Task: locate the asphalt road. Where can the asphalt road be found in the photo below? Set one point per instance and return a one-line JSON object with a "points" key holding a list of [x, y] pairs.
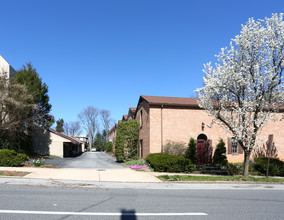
{"points": [[63, 202], [96, 160]]}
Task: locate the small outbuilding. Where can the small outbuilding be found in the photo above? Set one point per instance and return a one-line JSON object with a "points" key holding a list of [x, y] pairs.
{"points": [[51, 142]]}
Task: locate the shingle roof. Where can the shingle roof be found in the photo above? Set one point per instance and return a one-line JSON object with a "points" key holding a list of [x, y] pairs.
{"points": [[73, 140], [161, 100], [175, 101]]}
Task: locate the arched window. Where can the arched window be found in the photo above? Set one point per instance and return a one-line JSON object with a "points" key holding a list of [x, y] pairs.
{"points": [[202, 137]]}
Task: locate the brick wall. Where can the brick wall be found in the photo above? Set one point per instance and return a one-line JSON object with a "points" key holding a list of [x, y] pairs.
{"points": [[144, 132], [179, 124]]}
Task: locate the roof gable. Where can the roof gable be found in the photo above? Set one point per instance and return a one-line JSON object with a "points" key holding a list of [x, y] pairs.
{"points": [[170, 101], [73, 140]]}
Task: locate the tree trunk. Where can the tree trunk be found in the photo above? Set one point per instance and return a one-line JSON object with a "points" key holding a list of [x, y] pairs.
{"points": [[246, 163]]}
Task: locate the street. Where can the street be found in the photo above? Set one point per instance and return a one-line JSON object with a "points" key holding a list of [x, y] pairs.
{"points": [[79, 202]]}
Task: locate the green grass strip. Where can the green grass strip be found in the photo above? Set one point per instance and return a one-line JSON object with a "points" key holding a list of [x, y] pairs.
{"points": [[135, 162], [220, 178]]}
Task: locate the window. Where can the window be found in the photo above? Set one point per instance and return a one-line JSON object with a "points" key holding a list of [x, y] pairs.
{"points": [[141, 149], [141, 118], [234, 146]]}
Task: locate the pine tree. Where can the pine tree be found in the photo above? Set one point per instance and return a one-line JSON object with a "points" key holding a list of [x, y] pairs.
{"points": [[191, 151], [59, 125], [220, 157], [29, 77]]}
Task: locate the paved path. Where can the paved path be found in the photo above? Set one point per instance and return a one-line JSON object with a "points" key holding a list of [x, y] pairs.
{"points": [[90, 166], [89, 160], [99, 175]]}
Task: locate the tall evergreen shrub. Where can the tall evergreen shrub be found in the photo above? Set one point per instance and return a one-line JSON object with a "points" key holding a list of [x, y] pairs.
{"points": [[220, 157], [191, 151], [126, 140], [10, 158]]}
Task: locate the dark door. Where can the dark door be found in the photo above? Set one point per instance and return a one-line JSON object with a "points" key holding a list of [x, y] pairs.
{"points": [[200, 151]]}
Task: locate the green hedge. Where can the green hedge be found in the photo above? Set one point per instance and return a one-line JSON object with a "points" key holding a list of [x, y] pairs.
{"points": [[162, 162], [276, 166], [126, 140], [109, 147], [10, 158]]}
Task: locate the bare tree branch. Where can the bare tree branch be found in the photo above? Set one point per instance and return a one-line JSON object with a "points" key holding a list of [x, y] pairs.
{"points": [[89, 120]]}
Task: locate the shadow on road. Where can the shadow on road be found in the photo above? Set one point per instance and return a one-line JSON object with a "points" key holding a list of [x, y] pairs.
{"points": [[128, 214]]}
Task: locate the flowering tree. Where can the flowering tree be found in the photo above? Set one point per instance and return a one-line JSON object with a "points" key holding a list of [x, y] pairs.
{"points": [[245, 89]]}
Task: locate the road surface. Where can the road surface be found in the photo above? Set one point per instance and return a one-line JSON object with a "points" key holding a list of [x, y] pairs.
{"points": [[64, 202]]}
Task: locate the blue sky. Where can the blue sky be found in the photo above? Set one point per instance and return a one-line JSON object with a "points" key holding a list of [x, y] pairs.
{"points": [[106, 53]]}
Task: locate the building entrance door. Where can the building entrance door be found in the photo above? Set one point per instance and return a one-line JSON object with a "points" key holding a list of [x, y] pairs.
{"points": [[204, 149], [200, 151]]}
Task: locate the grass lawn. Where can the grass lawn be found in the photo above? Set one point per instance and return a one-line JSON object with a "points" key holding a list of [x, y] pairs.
{"points": [[220, 178], [13, 173], [135, 162]]}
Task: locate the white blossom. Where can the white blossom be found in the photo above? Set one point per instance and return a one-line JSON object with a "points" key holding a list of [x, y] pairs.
{"points": [[245, 88]]}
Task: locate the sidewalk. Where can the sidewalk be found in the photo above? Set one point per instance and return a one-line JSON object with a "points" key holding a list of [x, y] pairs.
{"points": [[98, 175]]}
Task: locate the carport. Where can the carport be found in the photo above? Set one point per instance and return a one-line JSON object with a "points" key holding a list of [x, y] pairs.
{"points": [[71, 149]]}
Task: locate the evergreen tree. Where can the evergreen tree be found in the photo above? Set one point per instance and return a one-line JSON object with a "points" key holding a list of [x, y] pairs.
{"points": [[99, 142], [220, 157], [191, 151], [34, 112], [59, 125], [29, 77], [126, 140]]}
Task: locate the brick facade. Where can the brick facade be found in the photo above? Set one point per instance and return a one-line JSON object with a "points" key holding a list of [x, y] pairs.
{"points": [[143, 117], [162, 122]]}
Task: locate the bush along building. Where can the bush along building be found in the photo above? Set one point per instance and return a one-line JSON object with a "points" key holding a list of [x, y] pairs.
{"points": [[164, 119]]}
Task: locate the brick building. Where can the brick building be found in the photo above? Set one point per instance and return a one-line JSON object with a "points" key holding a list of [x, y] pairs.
{"points": [[165, 119]]}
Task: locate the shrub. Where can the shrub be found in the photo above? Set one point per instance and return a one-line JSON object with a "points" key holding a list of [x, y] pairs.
{"points": [[262, 151], [162, 162], [276, 166], [10, 158], [109, 147], [191, 151], [126, 140], [235, 168], [220, 157], [175, 148]]}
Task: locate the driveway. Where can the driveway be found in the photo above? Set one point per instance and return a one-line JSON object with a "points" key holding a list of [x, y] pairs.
{"points": [[96, 160]]}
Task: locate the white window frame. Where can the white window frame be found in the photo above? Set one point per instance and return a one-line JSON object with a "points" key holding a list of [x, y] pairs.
{"points": [[234, 146]]}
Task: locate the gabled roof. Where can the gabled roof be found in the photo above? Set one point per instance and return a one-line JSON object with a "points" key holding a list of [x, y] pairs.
{"points": [[124, 117], [169, 101], [73, 140], [113, 129], [175, 102]]}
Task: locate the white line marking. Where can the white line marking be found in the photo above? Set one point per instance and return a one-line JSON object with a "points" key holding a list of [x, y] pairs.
{"points": [[98, 213]]}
